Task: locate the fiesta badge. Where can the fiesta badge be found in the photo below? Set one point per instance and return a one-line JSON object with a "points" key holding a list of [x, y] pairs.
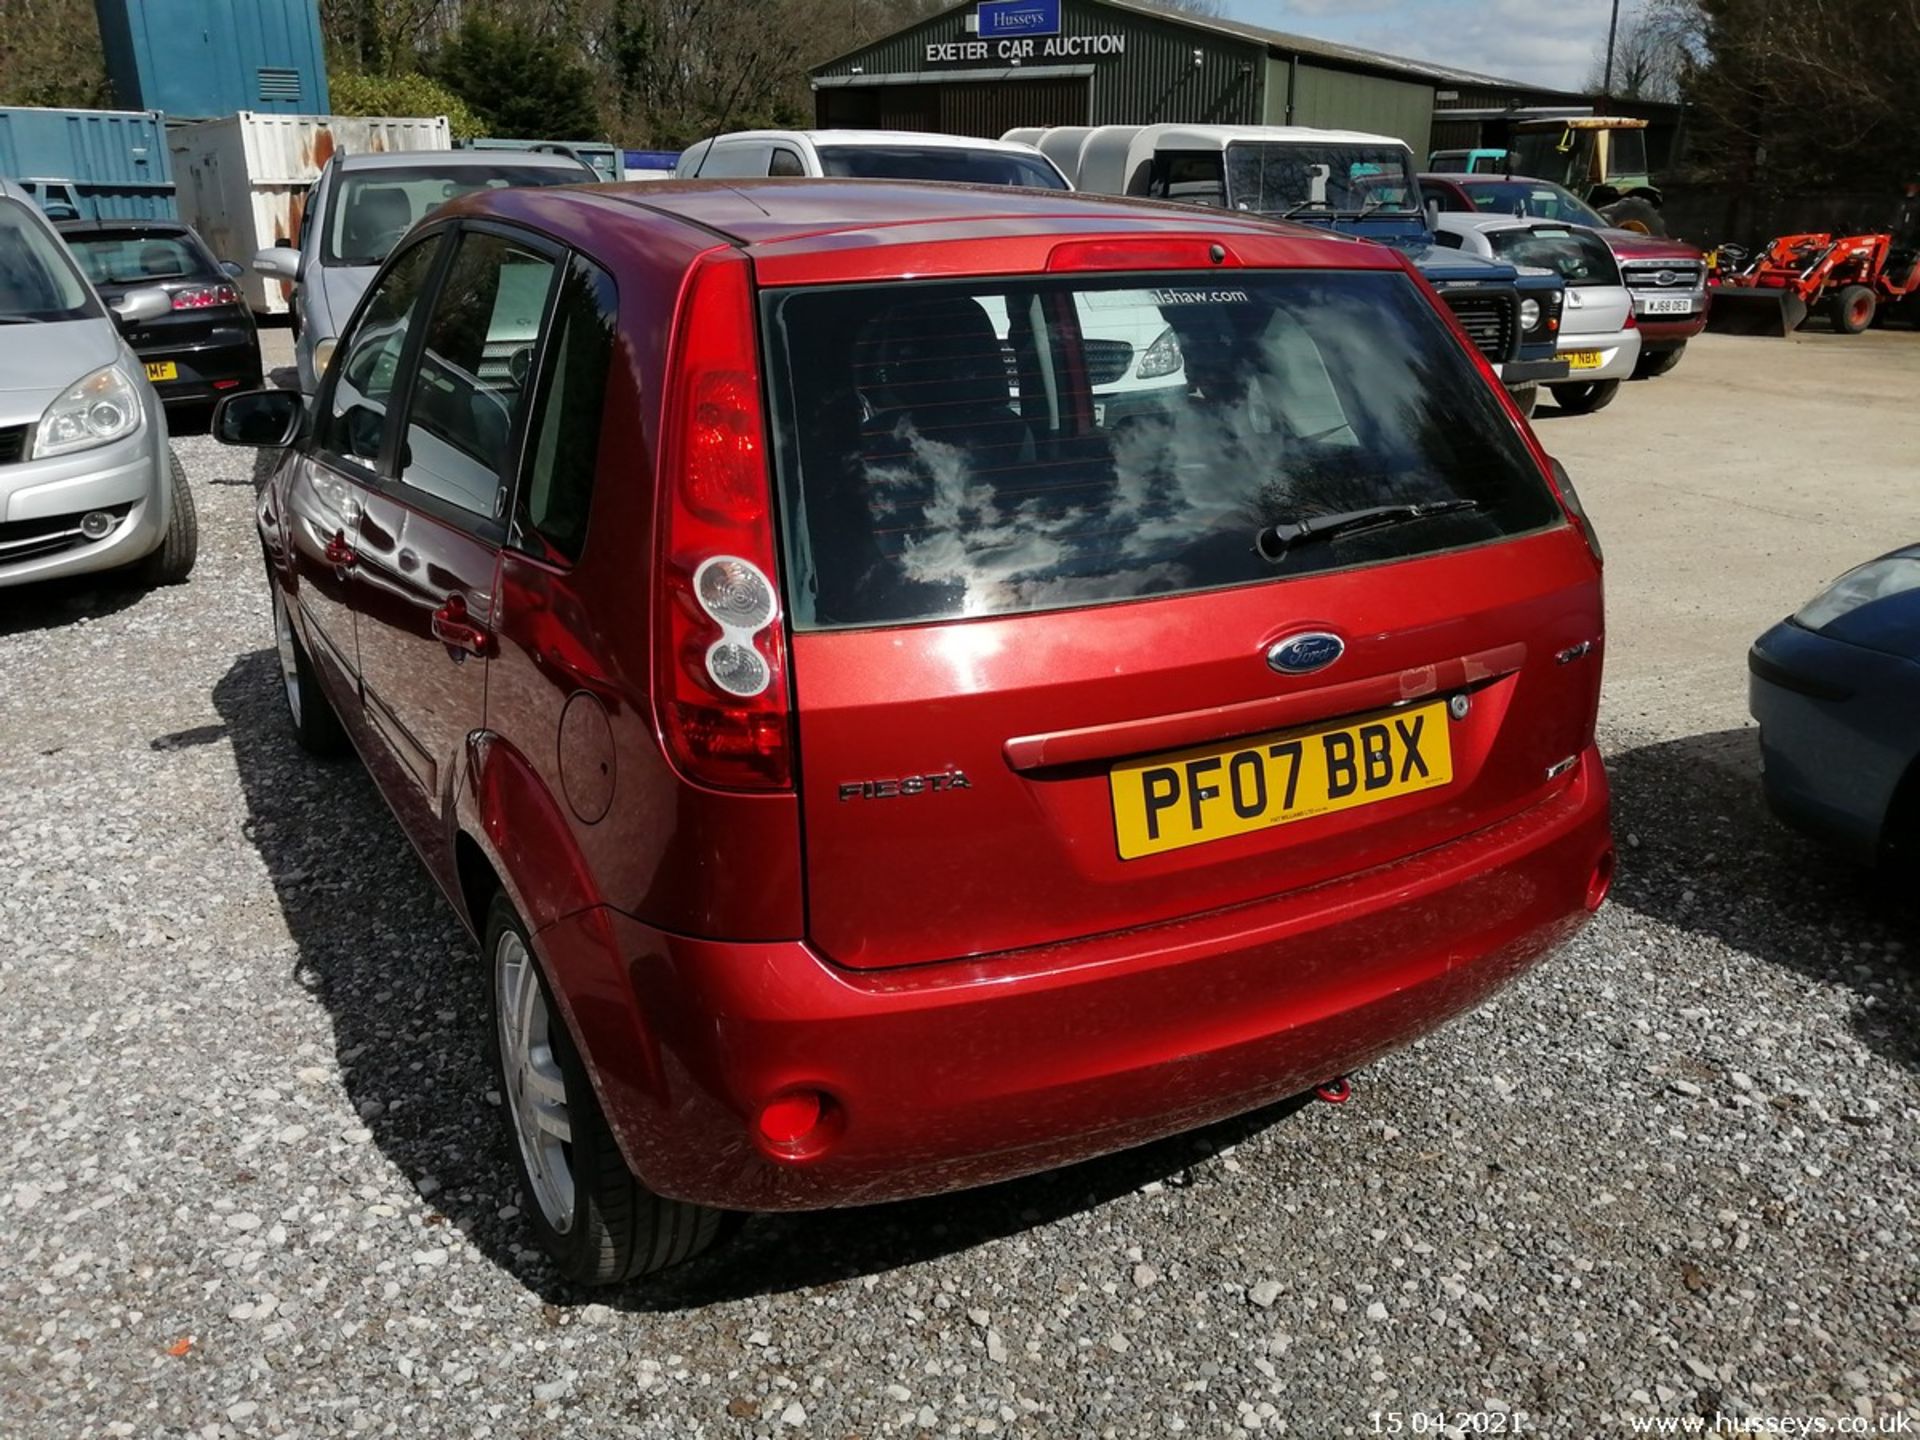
{"points": [[1303, 654]]}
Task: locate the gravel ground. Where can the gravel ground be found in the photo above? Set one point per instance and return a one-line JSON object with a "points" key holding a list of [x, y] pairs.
{"points": [[253, 1186]]}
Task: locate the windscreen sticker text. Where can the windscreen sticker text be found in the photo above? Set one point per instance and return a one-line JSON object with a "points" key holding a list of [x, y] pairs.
{"points": [[1200, 297]]}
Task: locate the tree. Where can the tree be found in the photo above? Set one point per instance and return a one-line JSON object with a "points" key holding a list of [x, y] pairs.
{"points": [[1650, 52], [519, 82], [50, 55], [360, 94]]}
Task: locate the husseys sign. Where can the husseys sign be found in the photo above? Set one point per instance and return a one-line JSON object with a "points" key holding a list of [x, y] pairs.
{"points": [[1012, 31]]}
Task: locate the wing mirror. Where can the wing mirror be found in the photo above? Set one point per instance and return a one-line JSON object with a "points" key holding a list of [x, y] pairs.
{"points": [[280, 261], [232, 270], [137, 307], [259, 419]]}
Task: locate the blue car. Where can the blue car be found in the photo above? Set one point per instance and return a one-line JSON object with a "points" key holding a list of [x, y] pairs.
{"points": [[1836, 690]]}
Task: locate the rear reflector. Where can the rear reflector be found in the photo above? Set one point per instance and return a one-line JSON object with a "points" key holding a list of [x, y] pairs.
{"points": [[789, 1120]]}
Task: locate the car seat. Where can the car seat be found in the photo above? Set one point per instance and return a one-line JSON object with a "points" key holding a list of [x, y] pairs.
{"points": [[158, 260], [376, 219]]}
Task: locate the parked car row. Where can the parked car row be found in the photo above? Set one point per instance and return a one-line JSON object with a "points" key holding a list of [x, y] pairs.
{"points": [[910, 684]]}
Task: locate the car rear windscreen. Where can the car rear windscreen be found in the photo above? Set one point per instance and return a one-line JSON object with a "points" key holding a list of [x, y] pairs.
{"points": [[1578, 257], [131, 257], [990, 447], [939, 162]]}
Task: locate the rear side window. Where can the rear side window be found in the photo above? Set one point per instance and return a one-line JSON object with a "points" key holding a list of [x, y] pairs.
{"points": [[1578, 257], [991, 447], [474, 366], [558, 492], [1193, 177]]}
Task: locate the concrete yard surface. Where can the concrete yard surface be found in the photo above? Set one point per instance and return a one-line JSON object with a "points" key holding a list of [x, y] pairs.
{"points": [[255, 1183]]}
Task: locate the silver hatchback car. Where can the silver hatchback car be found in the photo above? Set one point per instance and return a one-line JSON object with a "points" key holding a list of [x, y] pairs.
{"points": [[88, 481]]}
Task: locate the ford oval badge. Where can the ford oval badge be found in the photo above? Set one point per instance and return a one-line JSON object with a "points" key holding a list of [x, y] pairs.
{"points": [[1303, 654]]}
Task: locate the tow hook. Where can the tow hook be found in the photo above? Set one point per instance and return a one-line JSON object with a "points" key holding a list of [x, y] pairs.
{"points": [[1336, 1091]]}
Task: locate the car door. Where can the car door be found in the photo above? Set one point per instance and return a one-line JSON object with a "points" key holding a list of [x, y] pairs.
{"points": [[428, 550], [329, 481]]}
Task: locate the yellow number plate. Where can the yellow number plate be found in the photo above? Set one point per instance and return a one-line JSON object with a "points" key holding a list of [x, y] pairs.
{"points": [[1584, 359], [162, 370], [1210, 793]]}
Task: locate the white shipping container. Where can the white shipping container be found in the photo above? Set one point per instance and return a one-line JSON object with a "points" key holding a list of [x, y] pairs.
{"points": [[242, 181]]}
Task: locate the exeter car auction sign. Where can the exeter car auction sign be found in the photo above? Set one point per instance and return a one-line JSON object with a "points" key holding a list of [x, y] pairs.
{"points": [[1015, 31]]}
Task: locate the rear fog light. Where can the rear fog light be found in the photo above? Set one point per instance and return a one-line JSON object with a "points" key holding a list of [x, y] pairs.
{"points": [[799, 1123]]}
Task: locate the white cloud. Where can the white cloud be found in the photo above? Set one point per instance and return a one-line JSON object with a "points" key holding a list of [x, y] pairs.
{"points": [[1547, 45]]}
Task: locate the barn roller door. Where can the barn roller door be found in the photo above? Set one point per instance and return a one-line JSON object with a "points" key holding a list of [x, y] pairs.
{"points": [[970, 108]]}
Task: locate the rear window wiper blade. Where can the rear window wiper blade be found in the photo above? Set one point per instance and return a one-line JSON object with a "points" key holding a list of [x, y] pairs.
{"points": [[1275, 541]]}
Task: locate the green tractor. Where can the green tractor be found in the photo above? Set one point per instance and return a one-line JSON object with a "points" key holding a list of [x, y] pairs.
{"points": [[1601, 158]]}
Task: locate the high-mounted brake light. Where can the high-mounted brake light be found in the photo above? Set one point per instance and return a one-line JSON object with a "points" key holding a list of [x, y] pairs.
{"points": [[720, 653], [1147, 253]]}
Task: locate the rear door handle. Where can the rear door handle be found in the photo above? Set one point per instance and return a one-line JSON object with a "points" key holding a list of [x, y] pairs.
{"points": [[338, 553], [454, 628]]}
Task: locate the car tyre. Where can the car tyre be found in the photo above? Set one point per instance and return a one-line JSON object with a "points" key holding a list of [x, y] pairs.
{"points": [[596, 1221], [172, 562], [1657, 362], [1525, 398], [316, 726], [1853, 309], [1634, 212], [1585, 396]]}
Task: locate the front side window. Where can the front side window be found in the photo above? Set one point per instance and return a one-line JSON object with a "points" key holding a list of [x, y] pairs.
{"points": [[371, 209], [953, 449], [952, 163], [37, 278], [129, 257], [364, 368], [475, 360], [568, 412], [1281, 178], [1578, 257]]}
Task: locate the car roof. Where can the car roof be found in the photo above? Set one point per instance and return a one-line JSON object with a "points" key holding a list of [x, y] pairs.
{"points": [[458, 159], [148, 227], [876, 139], [1174, 137], [823, 214]]}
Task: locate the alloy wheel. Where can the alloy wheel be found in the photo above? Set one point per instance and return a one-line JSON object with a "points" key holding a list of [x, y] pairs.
{"points": [[535, 1085]]}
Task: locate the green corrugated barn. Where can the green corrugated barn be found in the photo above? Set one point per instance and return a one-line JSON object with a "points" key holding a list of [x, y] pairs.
{"points": [[989, 66]]}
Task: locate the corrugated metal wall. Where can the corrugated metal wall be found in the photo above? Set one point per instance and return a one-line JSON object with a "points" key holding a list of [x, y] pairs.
{"points": [[201, 58], [1343, 100], [111, 165], [1167, 72]]}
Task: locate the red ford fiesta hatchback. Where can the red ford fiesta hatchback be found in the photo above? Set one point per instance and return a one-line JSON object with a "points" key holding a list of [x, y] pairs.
{"points": [[912, 685]]}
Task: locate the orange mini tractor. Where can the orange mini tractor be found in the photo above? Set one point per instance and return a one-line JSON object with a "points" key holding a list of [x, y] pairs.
{"points": [[1855, 276]]}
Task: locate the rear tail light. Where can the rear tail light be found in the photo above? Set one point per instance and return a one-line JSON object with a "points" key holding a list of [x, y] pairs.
{"points": [[205, 297], [720, 655], [1632, 322]]}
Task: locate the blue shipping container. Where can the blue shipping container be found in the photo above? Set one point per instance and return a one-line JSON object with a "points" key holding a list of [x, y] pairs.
{"points": [[90, 164], [198, 59]]}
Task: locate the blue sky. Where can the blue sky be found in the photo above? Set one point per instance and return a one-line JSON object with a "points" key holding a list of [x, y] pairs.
{"points": [[1545, 43]]}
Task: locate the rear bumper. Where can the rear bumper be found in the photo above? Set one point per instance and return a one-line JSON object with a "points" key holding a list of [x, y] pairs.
{"points": [[203, 369], [963, 1073], [1618, 350]]}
